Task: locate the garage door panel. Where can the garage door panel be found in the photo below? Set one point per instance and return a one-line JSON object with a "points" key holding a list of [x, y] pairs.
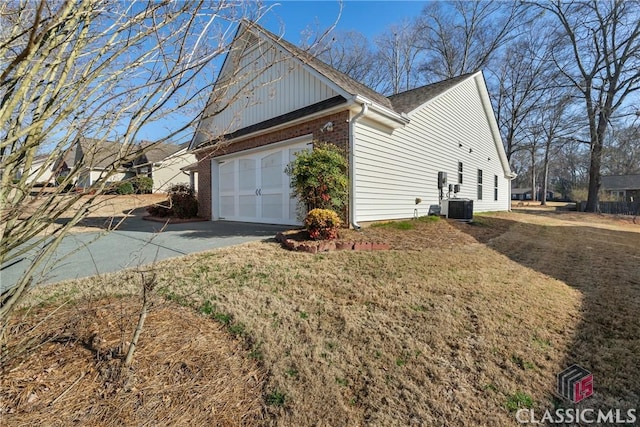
{"points": [[247, 206], [254, 187], [227, 177], [247, 174], [272, 206], [272, 171], [227, 206]]}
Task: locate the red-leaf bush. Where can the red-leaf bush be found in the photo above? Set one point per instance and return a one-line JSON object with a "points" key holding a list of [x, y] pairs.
{"points": [[322, 224]]}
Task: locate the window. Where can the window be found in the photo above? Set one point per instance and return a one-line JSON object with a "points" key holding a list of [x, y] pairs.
{"points": [[495, 187], [459, 172], [479, 184]]}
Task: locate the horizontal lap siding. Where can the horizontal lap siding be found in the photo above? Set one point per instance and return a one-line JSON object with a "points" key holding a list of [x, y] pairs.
{"points": [[393, 170]]}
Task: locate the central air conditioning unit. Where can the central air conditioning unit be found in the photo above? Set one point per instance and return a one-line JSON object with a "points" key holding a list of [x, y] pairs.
{"points": [[459, 209]]}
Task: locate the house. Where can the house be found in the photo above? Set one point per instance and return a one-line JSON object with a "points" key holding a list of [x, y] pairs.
{"points": [[622, 187], [94, 159], [165, 164], [272, 100], [117, 162], [40, 172], [525, 194]]}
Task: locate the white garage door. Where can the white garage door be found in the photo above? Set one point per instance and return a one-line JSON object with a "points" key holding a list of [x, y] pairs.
{"points": [[253, 187]]}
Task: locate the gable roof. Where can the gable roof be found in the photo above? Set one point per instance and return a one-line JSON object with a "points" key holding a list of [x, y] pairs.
{"points": [[93, 152], [620, 182], [390, 110], [342, 80], [413, 98], [99, 154], [156, 152]]}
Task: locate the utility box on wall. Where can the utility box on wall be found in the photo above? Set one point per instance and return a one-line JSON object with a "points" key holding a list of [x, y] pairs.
{"points": [[442, 180]]}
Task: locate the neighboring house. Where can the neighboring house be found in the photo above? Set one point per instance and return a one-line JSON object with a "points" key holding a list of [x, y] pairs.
{"points": [[40, 172], [396, 145], [622, 187], [165, 164], [525, 194], [96, 160]]}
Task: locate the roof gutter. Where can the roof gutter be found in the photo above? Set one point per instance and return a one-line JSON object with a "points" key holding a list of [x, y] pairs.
{"points": [[400, 118], [352, 168]]}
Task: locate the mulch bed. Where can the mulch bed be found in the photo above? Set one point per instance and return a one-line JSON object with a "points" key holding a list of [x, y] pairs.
{"points": [[187, 370]]}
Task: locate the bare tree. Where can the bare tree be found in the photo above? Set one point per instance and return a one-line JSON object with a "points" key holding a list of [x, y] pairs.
{"points": [[461, 37], [557, 125], [597, 49], [522, 79], [621, 154], [98, 69], [351, 53], [398, 53]]}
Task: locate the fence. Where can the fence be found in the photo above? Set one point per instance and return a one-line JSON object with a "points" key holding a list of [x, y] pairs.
{"points": [[619, 208]]}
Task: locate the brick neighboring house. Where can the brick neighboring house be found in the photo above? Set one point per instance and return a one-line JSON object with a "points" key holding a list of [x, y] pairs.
{"points": [[272, 100], [623, 187]]}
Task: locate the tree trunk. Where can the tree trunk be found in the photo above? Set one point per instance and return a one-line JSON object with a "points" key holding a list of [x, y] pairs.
{"points": [[545, 179], [533, 176], [595, 163]]}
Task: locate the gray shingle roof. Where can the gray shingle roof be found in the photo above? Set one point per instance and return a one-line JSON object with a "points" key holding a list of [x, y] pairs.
{"points": [[90, 152], [620, 182], [405, 102], [156, 152]]}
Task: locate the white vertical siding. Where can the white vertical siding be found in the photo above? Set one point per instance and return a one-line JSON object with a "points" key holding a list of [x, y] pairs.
{"points": [[393, 169], [266, 84]]}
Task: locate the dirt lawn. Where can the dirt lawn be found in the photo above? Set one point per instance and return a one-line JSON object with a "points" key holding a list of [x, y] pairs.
{"points": [[462, 326]]}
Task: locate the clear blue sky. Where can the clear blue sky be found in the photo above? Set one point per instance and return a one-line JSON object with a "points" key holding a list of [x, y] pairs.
{"points": [[368, 17]]}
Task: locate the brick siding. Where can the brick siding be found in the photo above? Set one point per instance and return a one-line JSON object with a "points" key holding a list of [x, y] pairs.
{"points": [[339, 136]]}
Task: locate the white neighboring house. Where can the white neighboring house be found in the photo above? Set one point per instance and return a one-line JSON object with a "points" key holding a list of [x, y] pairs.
{"points": [[40, 172], [274, 100], [161, 162], [166, 164]]}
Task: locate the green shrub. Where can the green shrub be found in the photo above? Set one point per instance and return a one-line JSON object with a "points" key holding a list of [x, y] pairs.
{"points": [[319, 178], [322, 224], [143, 184], [125, 187]]}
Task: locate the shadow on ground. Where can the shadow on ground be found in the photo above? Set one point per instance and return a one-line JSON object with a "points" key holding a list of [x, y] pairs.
{"points": [[132, 221], [604, 265]]}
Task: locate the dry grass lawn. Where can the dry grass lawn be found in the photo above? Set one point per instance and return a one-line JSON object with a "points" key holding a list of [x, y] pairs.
{"points": [[459, 327]]}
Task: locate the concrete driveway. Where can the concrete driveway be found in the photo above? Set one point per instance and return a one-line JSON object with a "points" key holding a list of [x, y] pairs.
{"points": [[136, 242]]}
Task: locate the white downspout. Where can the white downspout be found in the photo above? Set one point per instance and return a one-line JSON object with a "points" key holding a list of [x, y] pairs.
{"points": [[352, 168], [511, 177]]}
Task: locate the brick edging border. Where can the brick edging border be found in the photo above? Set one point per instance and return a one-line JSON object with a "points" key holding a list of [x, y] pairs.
{"points": [[329, 245]]}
